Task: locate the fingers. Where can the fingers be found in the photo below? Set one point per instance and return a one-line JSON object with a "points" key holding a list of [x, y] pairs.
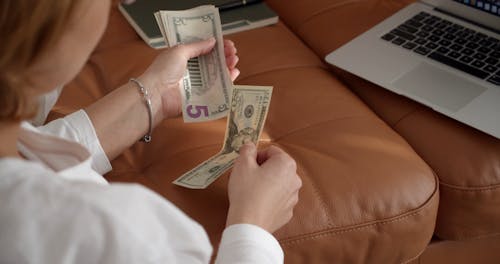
{"points": [[299, 183], [231, 61], [231, 57], [276, 159], [267, 153], [234, 73], [262, 157], [248, 150], [228, 42], [292, 202], [248, 155], [196, 49], [229, 48]]}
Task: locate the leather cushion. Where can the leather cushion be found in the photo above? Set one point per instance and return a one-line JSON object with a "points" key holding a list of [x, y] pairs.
{"points": [[466, 160], [366, 196]]}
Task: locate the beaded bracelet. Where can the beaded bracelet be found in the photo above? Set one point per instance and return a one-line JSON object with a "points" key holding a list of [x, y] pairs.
{"points": [[147, 99]]}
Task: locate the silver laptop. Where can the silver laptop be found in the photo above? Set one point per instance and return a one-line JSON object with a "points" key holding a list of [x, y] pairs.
{"points": [[442, 53]]}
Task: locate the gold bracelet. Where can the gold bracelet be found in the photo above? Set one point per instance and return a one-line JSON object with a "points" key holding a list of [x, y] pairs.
{"points": [[147, 100]]}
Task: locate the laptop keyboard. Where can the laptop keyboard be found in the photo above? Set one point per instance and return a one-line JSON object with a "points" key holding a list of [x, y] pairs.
{"points": [[454, 45]]}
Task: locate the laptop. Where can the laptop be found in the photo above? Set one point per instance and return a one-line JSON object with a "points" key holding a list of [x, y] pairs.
{"points": [[444, 54]]}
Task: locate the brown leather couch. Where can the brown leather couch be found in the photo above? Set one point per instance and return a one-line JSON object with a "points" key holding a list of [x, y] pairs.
{"points": [[385, 180]]}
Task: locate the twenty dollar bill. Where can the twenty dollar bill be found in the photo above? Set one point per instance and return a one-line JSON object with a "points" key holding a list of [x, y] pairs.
{"points": [[206, 84], [249, 106]]}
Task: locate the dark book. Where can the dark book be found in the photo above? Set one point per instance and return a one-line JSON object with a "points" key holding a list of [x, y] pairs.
{"points": [[234, 17]]}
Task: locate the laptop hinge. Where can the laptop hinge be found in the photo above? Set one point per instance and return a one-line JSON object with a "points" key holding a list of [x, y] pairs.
{"points": [[437, 9]]}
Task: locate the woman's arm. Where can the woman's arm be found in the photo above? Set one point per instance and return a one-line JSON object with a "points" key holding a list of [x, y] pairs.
{"points": [[121, 118]]}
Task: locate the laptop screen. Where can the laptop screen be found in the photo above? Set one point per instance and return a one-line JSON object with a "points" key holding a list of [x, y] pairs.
{"points": [[490, 6]]}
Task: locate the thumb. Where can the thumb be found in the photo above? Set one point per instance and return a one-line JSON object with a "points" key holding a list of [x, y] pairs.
{"points": [[198, 48], [248, 153]]}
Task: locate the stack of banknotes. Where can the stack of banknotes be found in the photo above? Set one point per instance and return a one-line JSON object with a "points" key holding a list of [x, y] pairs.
{"points": [[208, 93]]}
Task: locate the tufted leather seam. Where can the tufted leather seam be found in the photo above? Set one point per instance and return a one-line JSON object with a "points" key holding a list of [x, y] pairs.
{"points": [[464, 237], [319, 124], [277, 69], [179, 152], [478, 237], [414, 258], [450, 186], [403, 217], [326, 9], [346, 83], [413, 111], [321, 200], [456, 188], [272, 139], [314, 151]]}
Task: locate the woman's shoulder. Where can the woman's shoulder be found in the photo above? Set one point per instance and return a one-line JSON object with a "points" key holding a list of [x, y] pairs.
{"points": [[30, 185], [30, 190], [14, 171], [19, 178], [37, 206]]}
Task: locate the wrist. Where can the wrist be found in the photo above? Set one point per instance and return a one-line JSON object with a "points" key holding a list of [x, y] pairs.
{"points": [[167, 97], [234, 218], [156, 101]]}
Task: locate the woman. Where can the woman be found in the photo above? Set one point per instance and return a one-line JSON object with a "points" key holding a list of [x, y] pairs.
{"points": [[55, 207]]}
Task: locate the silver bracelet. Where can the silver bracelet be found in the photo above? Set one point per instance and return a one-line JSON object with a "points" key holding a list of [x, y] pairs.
{"points": [[147, 99]]}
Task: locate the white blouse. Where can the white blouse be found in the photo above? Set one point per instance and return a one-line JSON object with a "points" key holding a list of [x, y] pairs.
{"points": [[56, 207]]}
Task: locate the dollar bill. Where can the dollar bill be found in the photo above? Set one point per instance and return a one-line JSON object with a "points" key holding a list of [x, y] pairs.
{"points": [[248, 112], [206, 85]]}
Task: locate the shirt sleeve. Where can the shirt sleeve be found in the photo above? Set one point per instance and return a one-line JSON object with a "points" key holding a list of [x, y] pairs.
{"points": [[77, 127], [77, 222], [45, 104], [140, 226], [245, 243]]}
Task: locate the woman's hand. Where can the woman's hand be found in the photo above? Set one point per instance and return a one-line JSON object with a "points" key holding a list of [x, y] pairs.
{"points": [[263, 188], [123, 109], [166, 72]]}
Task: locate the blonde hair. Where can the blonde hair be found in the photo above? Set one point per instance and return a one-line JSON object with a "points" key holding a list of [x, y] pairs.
{"points": [[28, 28]]}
